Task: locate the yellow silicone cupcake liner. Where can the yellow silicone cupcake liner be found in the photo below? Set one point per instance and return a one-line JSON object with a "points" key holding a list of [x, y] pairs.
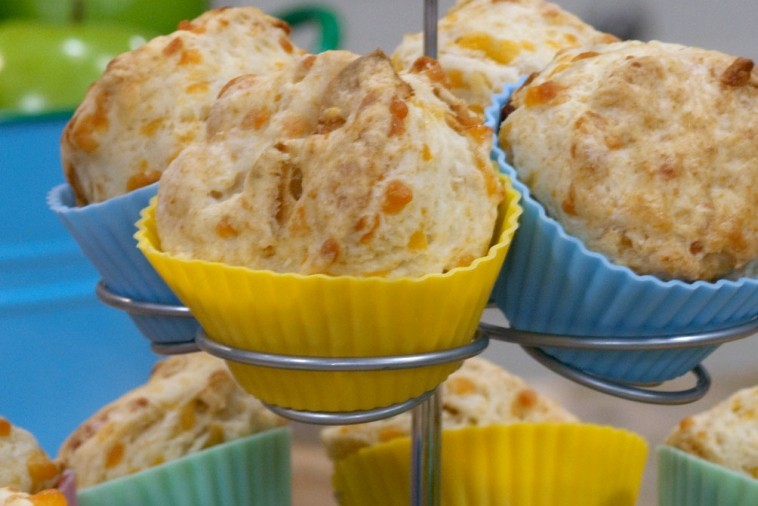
{"points": [[524, 464], [335, 316]]}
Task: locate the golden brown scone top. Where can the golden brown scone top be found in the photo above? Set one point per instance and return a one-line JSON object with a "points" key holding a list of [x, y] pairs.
{"points": [[647, 152], [48, 497], [726, 434], [151, 101], [24, 465], [484, 44], [479, 393], [335, 165], [190, 402]]}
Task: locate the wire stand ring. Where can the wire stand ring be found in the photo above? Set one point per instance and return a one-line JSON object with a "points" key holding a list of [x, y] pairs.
{"points": [[712, 337], [142, 308], [349, 417], [349, 364], [309, 363], [138, 307], [625, 390], [532, 342], [174, 348], [426, 428]]}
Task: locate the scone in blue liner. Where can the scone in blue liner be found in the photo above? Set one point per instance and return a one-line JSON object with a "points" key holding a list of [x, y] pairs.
{"points": [[551, 283], [687, 480], [105, 233], [251, 471]]}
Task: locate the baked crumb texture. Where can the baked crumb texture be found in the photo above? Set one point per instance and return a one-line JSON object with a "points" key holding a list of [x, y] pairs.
{"points": [[336, 165], [646, 152], [726, 434], [484, 44], [479, 393], [190, 402], [151, 101], [24, 465]]}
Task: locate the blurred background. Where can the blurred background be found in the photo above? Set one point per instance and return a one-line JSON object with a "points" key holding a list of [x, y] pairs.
{"points": [[63, 354], [727, 25]]}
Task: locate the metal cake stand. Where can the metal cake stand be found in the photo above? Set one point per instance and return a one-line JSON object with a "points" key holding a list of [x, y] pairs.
{"points": [[426, 408], [532, 342]]}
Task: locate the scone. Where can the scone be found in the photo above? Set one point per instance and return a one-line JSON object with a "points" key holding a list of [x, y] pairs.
{"points": [[24, 465], [726, 434], [50, 497], [335, 165], [478, 394], [335, 208], [646, 152], [484, 44], [190, 402], [152, 101]]}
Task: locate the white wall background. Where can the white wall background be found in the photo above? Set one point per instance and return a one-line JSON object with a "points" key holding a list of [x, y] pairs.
{"points": [[726, 25]]}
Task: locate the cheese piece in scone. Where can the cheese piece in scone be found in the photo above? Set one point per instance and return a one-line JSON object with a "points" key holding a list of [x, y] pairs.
{"points": [[151, 101], [484, 44], [24, 465], [336, 165], [48, 497], [479, 393], [726, 434], [190, 402], [645, 151]]}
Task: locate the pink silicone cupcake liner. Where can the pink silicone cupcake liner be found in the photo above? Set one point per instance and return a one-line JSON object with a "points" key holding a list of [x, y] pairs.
{"points": [[67, 486]]}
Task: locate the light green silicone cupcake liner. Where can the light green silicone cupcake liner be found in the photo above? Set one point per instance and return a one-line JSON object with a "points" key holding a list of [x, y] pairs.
{"points": [[250, 471], [687, 480]]}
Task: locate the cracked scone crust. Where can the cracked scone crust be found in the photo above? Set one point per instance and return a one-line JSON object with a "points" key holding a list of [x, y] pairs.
{"points": [[151, 101], [478, 394], [726, 434], [484, 44], [48, 497], [190, 402], [24, 465], [335, 165], [646, 152]]}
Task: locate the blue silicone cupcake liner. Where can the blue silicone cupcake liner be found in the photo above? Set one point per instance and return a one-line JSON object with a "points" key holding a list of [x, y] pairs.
{"points": [[687, 480], [105, 233], [252, 471], [551, 283], [492, 119]]}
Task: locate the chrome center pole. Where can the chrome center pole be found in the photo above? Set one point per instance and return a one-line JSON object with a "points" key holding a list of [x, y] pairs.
{"points": [[426, 450], [426, 440], [430, 28]]}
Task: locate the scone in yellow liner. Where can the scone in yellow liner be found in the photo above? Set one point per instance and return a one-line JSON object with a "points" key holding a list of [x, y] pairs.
{"points": [[523, 464], [335, 316]]}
